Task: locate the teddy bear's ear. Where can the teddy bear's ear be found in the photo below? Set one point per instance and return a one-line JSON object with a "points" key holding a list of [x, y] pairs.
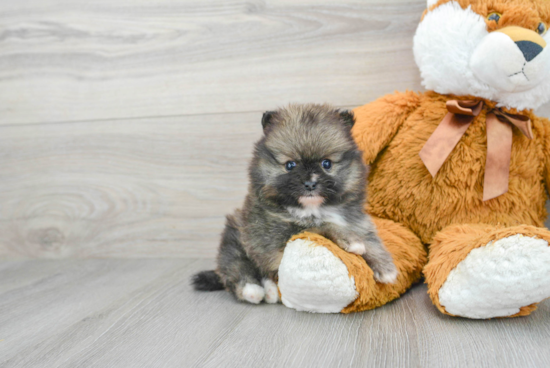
{"points": [[267, 119], [348, 118], [432, 2]]}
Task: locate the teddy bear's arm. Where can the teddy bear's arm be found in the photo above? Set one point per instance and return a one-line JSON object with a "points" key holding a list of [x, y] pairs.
{"points": [[377, 122]]}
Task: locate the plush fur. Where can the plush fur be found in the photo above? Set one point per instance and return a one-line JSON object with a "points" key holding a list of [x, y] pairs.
{"points": [[407, 193], [455, 244], [309, 281], [457, 48], [468, 48], [462, 54]]}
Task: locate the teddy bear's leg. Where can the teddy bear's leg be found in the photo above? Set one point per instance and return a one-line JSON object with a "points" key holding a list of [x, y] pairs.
{"points": [[481, 271], [316, 275]]}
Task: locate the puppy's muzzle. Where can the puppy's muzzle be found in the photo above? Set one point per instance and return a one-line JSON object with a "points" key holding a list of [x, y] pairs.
{"points": [[529, 42]]}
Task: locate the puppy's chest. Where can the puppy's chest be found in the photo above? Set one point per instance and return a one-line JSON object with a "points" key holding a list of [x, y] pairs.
{"points": [[317, 216]]}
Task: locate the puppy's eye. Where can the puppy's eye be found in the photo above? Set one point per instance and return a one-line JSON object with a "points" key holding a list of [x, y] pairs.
{"points": [[541, 29], [327, 164], [494, 16], [290, 165]]}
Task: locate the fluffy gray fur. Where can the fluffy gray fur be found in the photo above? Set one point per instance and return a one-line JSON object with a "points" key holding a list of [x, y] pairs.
{"points": [[310, 196]]}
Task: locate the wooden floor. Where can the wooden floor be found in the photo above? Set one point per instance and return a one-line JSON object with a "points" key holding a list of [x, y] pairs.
{"points": [[143, 313]]}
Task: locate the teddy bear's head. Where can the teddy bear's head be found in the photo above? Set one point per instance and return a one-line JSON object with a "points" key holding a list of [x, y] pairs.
{"points": [[493, 49]]}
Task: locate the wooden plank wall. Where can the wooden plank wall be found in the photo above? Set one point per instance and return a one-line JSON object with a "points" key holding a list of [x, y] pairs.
{"points": [[126, 125]]}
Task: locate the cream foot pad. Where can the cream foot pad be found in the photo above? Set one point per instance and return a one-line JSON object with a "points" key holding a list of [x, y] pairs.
{"points": [[498, 279], [313, 279]]}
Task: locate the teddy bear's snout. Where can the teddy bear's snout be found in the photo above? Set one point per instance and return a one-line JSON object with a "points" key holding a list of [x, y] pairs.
{"points": [[511, 59], [530, 43]]}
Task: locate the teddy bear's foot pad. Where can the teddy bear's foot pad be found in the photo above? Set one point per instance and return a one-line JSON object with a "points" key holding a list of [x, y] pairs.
{"points": [[498, 279], [313, 279]]}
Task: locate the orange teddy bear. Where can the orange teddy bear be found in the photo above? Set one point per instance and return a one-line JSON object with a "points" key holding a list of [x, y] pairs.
{"points": [[462, 170]]}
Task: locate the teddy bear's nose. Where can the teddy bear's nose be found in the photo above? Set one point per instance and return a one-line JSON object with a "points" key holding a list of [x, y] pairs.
{"points": [[529, 49]]}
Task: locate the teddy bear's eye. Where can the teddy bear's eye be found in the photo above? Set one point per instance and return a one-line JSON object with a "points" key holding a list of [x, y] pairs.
{"points": [[494, 16], [541, 29]]}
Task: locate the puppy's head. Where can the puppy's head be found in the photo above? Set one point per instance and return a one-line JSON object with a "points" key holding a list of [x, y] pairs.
{"points": [[308, 158]]}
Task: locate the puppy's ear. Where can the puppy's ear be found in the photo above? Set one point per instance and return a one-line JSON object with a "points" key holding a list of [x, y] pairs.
{"points": [[267, 119], [348, 118]]}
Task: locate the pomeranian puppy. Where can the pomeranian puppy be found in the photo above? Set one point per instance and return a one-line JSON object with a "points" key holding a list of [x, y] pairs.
{"points": [[307, 174]]}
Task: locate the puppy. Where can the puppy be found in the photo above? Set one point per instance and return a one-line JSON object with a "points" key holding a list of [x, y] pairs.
{"points": [[307, 174]]}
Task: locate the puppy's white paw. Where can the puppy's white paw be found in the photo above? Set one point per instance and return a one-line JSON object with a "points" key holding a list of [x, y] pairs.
{"points": [[271, 291], [253, 293], [357, 248], [386, 277]]}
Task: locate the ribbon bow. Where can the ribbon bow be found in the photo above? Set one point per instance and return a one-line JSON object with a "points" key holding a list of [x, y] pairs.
{"points": [[499, 142]]}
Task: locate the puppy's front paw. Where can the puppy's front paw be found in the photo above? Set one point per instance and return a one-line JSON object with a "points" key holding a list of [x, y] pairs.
{"points": [[357, 248], [253, 293], [271, 291], [386, 277], [385, 272]]}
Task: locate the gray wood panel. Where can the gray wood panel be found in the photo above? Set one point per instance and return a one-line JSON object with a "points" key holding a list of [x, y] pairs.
{"points": [[66, 60], [143, 313], [131, 188]]}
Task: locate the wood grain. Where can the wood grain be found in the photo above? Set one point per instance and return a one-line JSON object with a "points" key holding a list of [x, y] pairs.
{"points": [[75, 60], [143, 313], [137, 188], [65, 60]]}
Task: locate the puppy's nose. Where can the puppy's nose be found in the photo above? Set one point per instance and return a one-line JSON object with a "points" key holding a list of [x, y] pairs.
{"points": [[310, 185], [529, 49]]}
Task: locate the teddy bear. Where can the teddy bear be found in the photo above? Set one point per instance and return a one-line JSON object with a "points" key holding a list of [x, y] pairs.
{"points": [[459, 177]]}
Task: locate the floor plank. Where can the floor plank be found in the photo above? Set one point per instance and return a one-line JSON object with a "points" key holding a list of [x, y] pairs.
{"points": [[143, 313], [70, 294], [65, 60], [131, 188]]}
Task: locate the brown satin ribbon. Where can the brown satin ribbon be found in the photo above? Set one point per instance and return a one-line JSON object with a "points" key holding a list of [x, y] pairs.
{"points": [[499, 142]]}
